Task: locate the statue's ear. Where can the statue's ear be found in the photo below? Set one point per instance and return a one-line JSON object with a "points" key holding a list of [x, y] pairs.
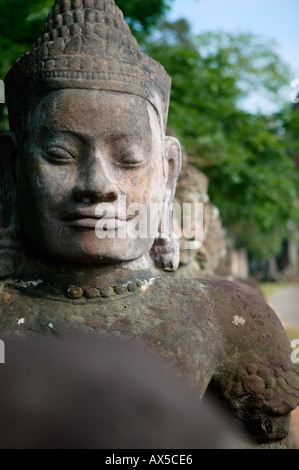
{"points": [[173, 165], [165, 251], [8, 156]]}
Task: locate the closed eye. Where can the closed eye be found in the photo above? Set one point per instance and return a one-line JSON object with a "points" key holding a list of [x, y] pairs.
{"points": [[58, 155], [130, 163], [129, 158]]}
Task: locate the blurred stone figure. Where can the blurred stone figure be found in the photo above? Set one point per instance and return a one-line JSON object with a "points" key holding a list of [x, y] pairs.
{"points": [[215, 244], [98, 393], [213, 255], [192, 189], [203, 258]]}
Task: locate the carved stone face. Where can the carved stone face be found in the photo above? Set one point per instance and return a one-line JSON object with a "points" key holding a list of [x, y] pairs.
{"points": [[83, 149]]}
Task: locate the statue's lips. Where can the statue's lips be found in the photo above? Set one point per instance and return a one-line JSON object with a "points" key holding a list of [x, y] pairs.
{"points": [[88, 219], [106, 224]]}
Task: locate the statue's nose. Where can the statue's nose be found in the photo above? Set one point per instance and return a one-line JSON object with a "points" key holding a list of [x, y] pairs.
{"points": [[95, 184]]}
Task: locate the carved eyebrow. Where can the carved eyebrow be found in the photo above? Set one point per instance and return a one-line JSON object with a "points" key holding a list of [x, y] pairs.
{"points": [[120, 136], [69, 133], [84, 137]]}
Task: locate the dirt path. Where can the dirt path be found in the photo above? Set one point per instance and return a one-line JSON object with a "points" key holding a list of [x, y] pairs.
{"points": [[285, 303]]}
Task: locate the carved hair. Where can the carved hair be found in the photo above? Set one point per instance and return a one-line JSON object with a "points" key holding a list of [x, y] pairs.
{"points": [[85, 45]]}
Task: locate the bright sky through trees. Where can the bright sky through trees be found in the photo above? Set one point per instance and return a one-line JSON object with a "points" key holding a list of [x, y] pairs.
{"points": [[271, 19]]}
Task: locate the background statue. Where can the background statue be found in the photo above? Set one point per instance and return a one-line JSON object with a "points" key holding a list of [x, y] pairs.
{"points": [[88, 114], [204, 258]]}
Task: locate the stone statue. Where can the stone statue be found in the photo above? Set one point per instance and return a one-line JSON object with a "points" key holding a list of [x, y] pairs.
{"points": [[204, 259], [192, 188], [88, 115]]}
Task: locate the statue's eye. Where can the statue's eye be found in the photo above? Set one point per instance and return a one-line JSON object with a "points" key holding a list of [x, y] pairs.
{"points": [[58, 155], [129, 158], [130, 162]]}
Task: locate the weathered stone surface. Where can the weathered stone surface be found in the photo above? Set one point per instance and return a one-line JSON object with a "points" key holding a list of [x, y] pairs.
{"points": [[120, 290], [92, 292], [107, 292], [75, 292]]}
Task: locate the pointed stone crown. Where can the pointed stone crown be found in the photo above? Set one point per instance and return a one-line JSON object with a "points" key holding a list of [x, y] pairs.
{"points": [[85, 44]]}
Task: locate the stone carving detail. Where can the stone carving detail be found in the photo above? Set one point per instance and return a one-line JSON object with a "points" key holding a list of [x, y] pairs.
{"points": [[81, 46]]}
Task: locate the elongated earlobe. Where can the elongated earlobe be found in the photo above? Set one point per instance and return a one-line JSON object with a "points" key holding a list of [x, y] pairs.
{"points": [[173, 161], [165, 252]]}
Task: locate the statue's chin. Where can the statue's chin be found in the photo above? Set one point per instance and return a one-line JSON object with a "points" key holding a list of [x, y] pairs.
{"points": [[83, 246], [108, 251]]}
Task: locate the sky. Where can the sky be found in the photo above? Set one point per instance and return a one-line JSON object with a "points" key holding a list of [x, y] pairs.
{"points": [[271, 19]]}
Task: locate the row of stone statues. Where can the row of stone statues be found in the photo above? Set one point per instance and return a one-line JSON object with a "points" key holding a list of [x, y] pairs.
{"points": [[213, 254], [88, 113]]}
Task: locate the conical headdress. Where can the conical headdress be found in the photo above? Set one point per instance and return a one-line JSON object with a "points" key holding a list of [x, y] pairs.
{"points": [[85, 44]]}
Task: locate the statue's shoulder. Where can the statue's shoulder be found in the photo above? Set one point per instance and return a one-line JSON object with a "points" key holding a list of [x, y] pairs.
{"points": [[239, 311], [247, 322], [228, 299], [255, 374], [245, 319]]}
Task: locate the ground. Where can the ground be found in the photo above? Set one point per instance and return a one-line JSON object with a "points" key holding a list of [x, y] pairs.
{"points": [[284, 299]]}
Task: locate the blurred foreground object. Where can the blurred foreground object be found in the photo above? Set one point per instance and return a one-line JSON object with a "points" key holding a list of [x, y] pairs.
{"points": [[99, 393]]}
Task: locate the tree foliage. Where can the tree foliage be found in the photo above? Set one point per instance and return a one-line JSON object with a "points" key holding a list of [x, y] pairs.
{"points": [[248, 158], [142, 15]]}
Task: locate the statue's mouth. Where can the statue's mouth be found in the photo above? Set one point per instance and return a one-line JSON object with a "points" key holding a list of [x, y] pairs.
{"points": [[98, 224], [86, 218]]}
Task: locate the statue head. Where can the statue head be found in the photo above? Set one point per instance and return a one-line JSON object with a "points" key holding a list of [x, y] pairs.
{"points": [[87, 147], [192, 190]]}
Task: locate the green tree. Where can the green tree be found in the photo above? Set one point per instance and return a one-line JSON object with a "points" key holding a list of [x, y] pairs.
{"points": [[142, 16], [253, 177]]}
